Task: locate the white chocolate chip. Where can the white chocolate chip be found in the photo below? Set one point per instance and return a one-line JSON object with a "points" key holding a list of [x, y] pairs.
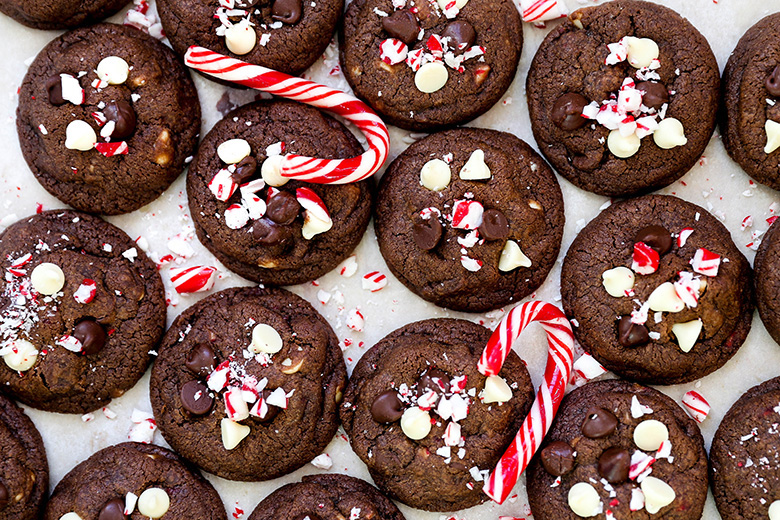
{"points": [[496, 390], [431, 77], [241, 37], [774, 510], [113, 69], [665, 299], [687, 334], [670, 133], [70, 516], [657, 493], [79, 135], [265, 339], [47, 278], [623, 146], [415, 423], [313, 225], [21, 355], [435, 175], [232, 433], [475, 168], [271, 171], [584, 500], [512, 257], [772, 136], [648, 435], [233, 150], [618, 281], [641, 51], [154, 502]]}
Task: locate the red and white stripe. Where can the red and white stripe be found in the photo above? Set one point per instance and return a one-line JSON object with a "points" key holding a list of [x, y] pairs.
{"points": [[696, 405], [705, 262], [112, 149], [374, 281], [542, 10], [198, 278]]}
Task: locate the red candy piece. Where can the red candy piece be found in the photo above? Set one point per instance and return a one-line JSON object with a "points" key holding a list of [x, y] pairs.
{"points": [[645, 259], [312, 202], [467, 214], [705, 262], [112, 149], [198, 278], [86, 291], [684, 234]]}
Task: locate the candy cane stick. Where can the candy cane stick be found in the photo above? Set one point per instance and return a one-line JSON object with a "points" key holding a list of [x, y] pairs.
{"points": [[560, 341], [310, 169]]}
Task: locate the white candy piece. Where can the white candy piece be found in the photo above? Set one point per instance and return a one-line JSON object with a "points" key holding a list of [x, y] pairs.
{"points": [[415, 423], [670, 133], [435, 175], [70, 516], [641, 51], [271, 171], [475, 168], [431, 77], [265, 339], [584, 500], [665, 299], [657, 493], [687, 334], [618, 281], [21, 356], [241, 37], [772, 136], [623, 146], [232, 433], [648, 435], [47, 278], [71, 89], [113, 69], [79, 135], [313, 225], [154, 502], [774, 510], [459, 4], [512, 257], [233, 150], [496, 390]]}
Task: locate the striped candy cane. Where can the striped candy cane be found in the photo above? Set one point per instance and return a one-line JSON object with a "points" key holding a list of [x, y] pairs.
{"points": [[310, 169], [560, 341], [541, 10]]}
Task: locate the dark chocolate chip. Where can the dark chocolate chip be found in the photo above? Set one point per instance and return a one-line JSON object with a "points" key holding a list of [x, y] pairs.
{"points": [[114, 509], [613, 465], [283, 208], [268, 233], [123, 116], [657, 237], [195, 397], [567, 111], [287, 11], [272, 412], [91, 335], [402, 25], [245, 170], [427, 233], [654, 94], [558, 458], [387, 407], [772, 83], [599, 423], [632, 334], [433, 379], [4, 496], [494, 225], [461, 35], [54, 88], [201, 360]]}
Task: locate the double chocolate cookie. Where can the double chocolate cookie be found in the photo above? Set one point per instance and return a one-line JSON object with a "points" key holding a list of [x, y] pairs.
{"points": [[80, 310], [247, 383], [327, 497], [623, 97], [107, 118], [431, 64], [767, 282], [134, 480], [24, 473], [427, 424], [256, 222], [62, 14], [657, 291], [619, 450], [470, 219]]}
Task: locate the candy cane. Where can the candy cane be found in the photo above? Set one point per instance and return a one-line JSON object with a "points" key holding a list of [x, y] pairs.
{"points": [[310, 169], [560, 341], [541, 10]]}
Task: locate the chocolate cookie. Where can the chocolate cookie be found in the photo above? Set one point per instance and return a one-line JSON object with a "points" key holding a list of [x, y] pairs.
{"points": [[248, 382], [657, 291], [275, 232], [284, 35], [767, 282], [470, 219], [427, 424], [44, 14], [744, 456], [24, 473], [138, 480], [619, 450], [107, 118], [327, 497], [81, 308], [432, 64], [623, 97], [750, 116]]}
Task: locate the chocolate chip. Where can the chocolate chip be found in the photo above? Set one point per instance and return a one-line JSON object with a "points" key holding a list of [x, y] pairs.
{"points": [[567, 111], [268, 233], [433, 379], [4, 495], [772, 83], [654, 94], [272, 412], [494, 225], [195, 397], [657, 237], [245, 169], [613, 465], [632, 334], [123, 116], [283, 208], [387, 407], [286, 11], [91, 335], [558, 458], [114, 509], [402, 25], [599, 423], [201, 360], [427, 233], [54, 88], [461, 35]]}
